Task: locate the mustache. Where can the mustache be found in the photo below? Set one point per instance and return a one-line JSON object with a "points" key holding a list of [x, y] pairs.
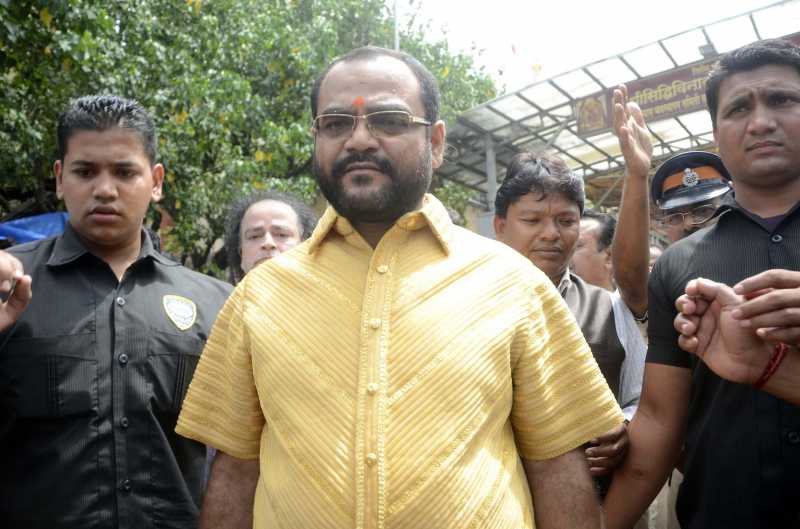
{"points": [[383, 164]]}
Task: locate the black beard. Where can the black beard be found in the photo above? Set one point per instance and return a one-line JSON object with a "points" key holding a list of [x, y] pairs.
{"points": [[385, 205]]}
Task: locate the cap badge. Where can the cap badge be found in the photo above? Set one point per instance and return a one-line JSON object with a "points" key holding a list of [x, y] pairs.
{"points": [[180, 310], [690, 177]]}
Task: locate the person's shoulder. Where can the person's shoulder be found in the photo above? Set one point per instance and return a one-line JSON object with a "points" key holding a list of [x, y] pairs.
{"points": [[208, 284], [464, 241], [34, 252]]}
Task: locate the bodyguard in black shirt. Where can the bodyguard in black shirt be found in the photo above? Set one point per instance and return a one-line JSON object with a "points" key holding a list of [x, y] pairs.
{"points": [[99, 339], [739, 435]]}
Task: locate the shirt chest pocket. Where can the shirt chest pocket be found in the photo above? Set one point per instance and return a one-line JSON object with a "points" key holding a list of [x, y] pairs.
{"points": [[172, 359], [49, 377]]}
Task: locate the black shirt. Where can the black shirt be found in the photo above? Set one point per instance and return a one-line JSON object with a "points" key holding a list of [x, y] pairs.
{"points": [[742, 446], [92, 378]]}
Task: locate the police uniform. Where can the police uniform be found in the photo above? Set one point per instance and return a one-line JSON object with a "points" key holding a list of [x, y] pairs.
{"points": [[689, 178], [92, 377]]}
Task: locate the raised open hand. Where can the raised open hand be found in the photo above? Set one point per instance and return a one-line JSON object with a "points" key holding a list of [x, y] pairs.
{"points": [[631, 130]]}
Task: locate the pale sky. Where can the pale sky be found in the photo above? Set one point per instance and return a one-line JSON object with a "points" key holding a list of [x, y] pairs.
{"points": [[523, 41]]}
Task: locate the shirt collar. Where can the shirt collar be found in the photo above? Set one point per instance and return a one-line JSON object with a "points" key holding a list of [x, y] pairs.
{"points": [[730, 203], [69, 247], [565, 282], [432, 214]]}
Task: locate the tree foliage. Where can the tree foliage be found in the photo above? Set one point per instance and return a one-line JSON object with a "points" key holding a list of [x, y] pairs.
{"points": [[227, 81]]}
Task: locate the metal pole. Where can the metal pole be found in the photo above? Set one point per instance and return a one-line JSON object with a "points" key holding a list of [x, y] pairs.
{"points": [[491, 172], [396, 29]]}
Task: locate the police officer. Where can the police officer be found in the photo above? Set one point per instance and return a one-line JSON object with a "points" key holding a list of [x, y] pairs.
{"points": [[99, 337], [688, 188]]}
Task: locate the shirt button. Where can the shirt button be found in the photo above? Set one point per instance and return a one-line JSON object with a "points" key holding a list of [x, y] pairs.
{"points": [[375, 323], [126, 485], [793, 438], [382, 269], [124, 423], [777, 238], [123, 359], [121, 301], [372, 388], [371, 459]]}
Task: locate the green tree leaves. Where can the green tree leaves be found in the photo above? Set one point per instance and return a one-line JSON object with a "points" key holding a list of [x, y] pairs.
{"points": [[227, 81]]}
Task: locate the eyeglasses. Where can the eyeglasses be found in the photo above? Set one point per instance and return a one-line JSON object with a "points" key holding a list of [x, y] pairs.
{"points": [[383, 124], [698, 215]]}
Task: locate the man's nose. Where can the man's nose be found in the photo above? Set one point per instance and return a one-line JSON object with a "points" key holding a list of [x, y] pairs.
{"points": [[361, 138], [105, 187], [268, 243], [762, 120], [549, 231]]}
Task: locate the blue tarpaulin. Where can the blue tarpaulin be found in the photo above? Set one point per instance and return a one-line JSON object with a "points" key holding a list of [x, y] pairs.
{"points": [[33, 228]]}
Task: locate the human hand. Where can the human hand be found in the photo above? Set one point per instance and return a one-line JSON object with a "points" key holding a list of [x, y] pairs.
{"points": [[16, 286], [773, 306], [709, 330], [631, 130], [608, 451]]}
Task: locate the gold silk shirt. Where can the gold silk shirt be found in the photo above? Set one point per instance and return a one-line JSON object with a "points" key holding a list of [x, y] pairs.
{"points": [[396, 387]]}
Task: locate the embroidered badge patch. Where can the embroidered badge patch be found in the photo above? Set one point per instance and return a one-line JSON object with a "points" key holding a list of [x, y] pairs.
{"points": [[180, 310], [690, 177]]}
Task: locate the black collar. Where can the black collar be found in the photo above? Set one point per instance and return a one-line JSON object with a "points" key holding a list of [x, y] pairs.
{"points": [[69, 247]]}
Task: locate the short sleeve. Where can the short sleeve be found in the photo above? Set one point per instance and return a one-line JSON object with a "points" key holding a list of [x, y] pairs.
{"points": [[221, 408], [662, 336], [561, 400]]}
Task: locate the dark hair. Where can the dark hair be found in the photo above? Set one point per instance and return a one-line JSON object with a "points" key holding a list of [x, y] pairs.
{"points": [[429, 89], [103, 112], [233, 224], [749, 57], [608, 225], [537, 173]]}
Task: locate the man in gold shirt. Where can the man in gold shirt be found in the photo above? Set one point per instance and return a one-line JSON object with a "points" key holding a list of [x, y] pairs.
{"points": [[394, 370]]}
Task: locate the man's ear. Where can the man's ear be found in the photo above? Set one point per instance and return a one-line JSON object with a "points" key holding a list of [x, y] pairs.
{"points": [[499, 227], [438, 143], [158, 182], [57, 171]]}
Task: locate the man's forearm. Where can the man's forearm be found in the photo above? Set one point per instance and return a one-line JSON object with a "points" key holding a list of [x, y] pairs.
{"points": [[228, 502], [652, 455], [563, 492], [630, 251]]}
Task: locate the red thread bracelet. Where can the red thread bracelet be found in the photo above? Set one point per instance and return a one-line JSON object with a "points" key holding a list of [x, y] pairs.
{"points": [[774, 362]]}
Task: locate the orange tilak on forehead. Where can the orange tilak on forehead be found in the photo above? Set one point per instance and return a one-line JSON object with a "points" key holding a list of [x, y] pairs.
{"points": [[358, 103]]}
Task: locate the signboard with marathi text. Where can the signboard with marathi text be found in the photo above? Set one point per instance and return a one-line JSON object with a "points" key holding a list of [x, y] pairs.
{"points": [[661, 96]]}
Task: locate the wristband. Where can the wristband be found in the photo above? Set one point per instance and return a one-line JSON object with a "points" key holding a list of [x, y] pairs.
{"points": [[774, 362]]}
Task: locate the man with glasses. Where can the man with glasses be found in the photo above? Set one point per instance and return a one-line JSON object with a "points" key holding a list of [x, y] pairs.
{"points": [[688, 188], [394, 370]]}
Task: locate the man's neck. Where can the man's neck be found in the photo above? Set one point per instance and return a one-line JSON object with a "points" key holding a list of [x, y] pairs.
{"points": [[768, 202], [372, 232], [118, 257]]}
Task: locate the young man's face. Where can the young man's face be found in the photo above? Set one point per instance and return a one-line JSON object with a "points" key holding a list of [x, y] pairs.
{"points": [[544, 230], [758, 127], [107, 183], [368, 178], [268, 229], [589, 262]]}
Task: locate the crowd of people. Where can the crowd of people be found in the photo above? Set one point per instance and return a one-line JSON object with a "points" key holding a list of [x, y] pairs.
{"points": [[383, 367]]}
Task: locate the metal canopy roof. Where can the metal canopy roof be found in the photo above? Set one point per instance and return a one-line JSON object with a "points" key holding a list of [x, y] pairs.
{"points": [[541, 117]]}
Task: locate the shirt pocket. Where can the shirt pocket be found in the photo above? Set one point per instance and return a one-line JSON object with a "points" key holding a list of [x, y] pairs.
{"points": [[172, 359], [49, 377]]}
